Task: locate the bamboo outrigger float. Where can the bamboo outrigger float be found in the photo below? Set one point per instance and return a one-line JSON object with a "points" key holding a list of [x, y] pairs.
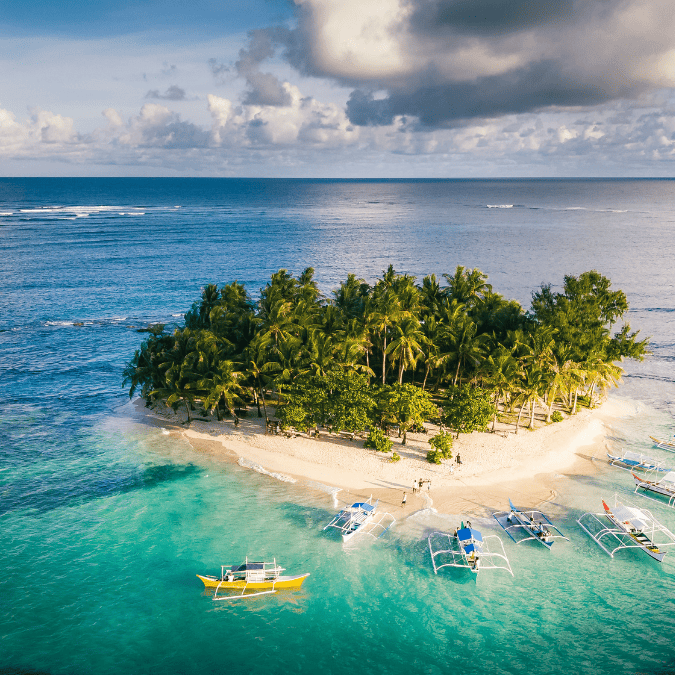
{"points": [[528, 525], [263, 578], [626, 526]]}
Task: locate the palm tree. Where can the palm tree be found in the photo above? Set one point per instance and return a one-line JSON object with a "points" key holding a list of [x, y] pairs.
{"points": [[466, 345], [503, 372], [387, 313], [406, 345]]}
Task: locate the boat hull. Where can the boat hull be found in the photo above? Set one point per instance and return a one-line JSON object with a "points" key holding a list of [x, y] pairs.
{"points": [[240, 584]]}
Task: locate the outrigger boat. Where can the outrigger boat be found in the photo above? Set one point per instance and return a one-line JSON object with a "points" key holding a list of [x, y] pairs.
{"points": [[527, 525], [467, 548], [629, 527], [261, 577], [665, 486], [664, 445], [633, 460], [361, 518]]}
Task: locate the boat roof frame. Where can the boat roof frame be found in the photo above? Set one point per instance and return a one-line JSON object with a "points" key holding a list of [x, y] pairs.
{"points": [[459, 557], [615, 533]]}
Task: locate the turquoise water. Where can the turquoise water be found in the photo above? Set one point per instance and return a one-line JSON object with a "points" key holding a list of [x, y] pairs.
{"points": [[104, 522]]}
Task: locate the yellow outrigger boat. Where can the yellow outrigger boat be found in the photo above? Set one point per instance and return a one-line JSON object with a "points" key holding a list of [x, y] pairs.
{"points": [[261, 577]]}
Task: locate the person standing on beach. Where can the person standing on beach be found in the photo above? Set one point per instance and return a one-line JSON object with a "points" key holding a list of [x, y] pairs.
{"points": [[414, 486], [405, 498]]}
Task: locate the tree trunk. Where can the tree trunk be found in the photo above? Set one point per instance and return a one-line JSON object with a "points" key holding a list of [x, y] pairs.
{"points": [[454, 382], [531, 413], [519, 414], [574, 410], [426, 373], [400, 372], [262, 395], [405, 432], [384, 357], [187, 407], [257, 401]]}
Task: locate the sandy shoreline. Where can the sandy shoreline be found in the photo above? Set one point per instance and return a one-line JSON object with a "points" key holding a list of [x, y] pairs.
{"points": [[495, 467]]}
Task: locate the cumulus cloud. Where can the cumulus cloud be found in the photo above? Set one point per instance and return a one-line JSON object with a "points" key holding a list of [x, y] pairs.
{"points": [[449, 61], [293, 139], [173, 93]]}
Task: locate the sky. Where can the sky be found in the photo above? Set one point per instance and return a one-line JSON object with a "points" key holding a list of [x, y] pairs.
{"points": [[337, 88]]}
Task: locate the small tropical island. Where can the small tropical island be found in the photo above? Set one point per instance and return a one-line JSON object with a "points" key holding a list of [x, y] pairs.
{"points": [[399, 368]]}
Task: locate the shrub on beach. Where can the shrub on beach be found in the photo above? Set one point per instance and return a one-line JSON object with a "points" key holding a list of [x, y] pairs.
{"points": [[557, 416], [378, 441], [395, 457], [434, 456], [442, 443]]}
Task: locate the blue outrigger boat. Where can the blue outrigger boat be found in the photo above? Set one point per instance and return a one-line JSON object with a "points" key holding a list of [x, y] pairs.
{"points": [[361, 518], [527, 525], [467, 548], [633, 460]]}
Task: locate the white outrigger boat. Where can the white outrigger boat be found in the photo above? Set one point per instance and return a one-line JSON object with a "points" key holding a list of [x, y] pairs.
{"points": [[664, 486], [527, 525], [664, 445], [362, 518], [262, 578], [633, 460], [629, 527], [469, 549]]}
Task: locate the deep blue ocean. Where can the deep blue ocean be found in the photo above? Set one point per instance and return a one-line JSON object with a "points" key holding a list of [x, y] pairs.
{"points": [[104, 522]]}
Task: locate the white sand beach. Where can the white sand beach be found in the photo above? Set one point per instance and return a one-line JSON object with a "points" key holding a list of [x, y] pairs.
{"points": [[494, 466]]}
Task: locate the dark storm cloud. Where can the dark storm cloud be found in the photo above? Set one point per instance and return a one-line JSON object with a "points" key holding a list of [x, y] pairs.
{"points": [[487, 16], [535, 87], [455, 60]]}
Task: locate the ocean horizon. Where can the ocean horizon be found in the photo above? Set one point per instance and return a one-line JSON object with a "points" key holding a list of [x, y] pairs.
{"points": [[105, 521]]}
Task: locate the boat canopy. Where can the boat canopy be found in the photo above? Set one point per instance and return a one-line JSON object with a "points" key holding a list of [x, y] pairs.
{"points": [[669, 478], [363, 505], [469, 533], [632, 515]]}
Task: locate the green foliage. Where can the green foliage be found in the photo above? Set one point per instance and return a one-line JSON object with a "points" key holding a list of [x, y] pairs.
{"points": [[434, 456], [395, 457], [406, 406], [442, 442], [324, 355], [468, 409], [337, 399], [557, 416], [378, 441]]}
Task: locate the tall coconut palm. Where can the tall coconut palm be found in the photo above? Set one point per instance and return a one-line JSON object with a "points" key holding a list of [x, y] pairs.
{"points": [[406, 345]]}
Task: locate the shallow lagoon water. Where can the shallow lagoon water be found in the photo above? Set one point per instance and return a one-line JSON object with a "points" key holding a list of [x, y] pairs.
{"points": [[105, 522]]}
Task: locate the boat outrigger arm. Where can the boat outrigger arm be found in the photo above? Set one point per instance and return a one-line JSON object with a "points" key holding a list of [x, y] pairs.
{"points": [[469, 549], [528, 525], [626, 526], [361, 518]]}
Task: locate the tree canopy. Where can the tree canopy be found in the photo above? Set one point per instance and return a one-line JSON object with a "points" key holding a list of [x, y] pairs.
{"points": [[376, 354]]}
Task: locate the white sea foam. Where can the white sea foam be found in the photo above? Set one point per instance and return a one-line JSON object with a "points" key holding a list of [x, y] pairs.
{"points": [[500, 206], [6, 213], [59, 323], [330, 489], [248, 464]]}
